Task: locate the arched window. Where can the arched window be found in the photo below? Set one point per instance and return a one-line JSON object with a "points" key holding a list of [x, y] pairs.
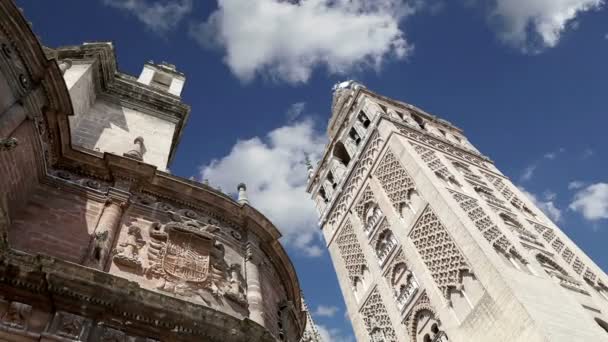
{"points": [[341, 154], [373, 214], [411, 205], [332, 180], [385, 244], [527, 212], [428, 328], [363, 119], [323, 195], [602, 324], [463, 169], [418, 120], [354, 136]]}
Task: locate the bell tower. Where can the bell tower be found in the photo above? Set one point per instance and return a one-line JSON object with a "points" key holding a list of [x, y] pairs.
{"points": [[431, 242]]}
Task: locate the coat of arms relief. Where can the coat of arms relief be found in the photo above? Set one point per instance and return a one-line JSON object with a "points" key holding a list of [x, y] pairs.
{"points": [[183, 258]]}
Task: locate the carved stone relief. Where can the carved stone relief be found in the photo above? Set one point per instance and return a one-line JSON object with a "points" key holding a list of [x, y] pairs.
{"points": [[566, 254], [423, 323], [395, 181], [376, 318], [16, 315], [470, 156], [490, 231], [128, 250], [439, 252], [351, 253], [187, 260], [356, 179]]}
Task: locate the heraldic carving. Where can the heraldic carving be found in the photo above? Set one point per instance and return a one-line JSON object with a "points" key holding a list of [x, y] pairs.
{"points": [[186, 259]]}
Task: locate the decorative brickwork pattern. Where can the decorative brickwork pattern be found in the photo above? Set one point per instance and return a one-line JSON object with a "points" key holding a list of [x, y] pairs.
{"points": [[434, 163], [351, 252], [438, 251], [471, 157], [393, 178], [484, 224], [375, 317], [567, 254], [358, 175]]}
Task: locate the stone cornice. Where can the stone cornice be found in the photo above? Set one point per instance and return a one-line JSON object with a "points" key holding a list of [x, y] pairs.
{"points": [[65, 286]]}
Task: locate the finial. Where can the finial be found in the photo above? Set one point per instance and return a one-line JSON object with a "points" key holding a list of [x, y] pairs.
{"points": [[242, 199]]}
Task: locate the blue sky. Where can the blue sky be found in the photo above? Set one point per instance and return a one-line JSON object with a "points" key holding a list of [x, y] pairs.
{"points": [[526, 79]]}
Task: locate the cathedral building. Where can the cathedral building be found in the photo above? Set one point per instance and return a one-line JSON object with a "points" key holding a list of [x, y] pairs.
{"points": [[431, 242], [98, 240]]}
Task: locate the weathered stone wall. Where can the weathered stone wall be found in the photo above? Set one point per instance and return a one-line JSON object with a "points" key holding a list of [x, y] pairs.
{"points": [[19, 168], [56, 222], [112, 127]]}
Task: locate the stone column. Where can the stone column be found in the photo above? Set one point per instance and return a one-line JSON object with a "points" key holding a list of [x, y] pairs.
{"points": [[254, 286], [106, 230], [137, 151]]}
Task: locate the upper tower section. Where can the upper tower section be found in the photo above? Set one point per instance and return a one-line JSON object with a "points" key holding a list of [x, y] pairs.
{"points": [[162, 76], [355, 114], [141, 118]]}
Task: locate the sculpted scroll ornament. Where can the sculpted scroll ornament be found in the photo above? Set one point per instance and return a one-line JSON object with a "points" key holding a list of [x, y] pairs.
{"points": [[128, 251], [186, 259]]}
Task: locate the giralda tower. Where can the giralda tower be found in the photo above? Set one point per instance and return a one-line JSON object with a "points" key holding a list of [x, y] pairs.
{"points": [[431, 242]]}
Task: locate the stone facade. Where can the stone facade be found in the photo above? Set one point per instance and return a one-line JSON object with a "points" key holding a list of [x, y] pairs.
{"points": [[431, 242], [97, 241]]}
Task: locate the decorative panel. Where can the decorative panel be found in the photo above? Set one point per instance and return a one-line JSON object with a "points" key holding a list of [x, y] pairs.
{"points": [[351, 252], [357, 177], [438, 251], [376, 317], [393, 178], [484, 224], [567, 254]]}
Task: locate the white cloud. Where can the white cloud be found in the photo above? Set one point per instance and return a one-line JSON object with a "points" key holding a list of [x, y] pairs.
{"points": [[574, 185], [295, 110], [532, 25], [592, 202], [333, 335], [326, 311], [287, 40], [547, 206], [588, 153], [274, 171], [528, 172], [159, 16]]}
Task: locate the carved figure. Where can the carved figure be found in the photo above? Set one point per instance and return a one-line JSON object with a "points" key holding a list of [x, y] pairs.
{"points": [[17, 315], [128, 251]]}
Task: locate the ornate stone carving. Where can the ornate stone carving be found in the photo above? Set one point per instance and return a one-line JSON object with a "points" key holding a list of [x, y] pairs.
{"points": [[490, 231], [384, 242], [423, 323], [395, 181], [112, 335], [84, 181], [127, 254], [186, 259], [17, 315], [436, 165], [351, 253], [70, 326], [357, 176], [401, 280], [566, 253], [469, 156], [439, 252], [195, 217], [137, 150], [368, 211], [376, 317]]}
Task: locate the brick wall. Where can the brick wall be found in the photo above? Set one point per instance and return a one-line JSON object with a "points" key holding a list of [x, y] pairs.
{"points": [[55, 222], [19, 168]]}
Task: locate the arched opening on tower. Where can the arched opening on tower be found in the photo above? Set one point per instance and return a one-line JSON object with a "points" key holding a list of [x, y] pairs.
{"points": [[341, 154]]}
